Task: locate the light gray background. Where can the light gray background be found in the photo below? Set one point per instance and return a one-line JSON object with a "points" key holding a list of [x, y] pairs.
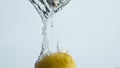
{"points": [[89, 29]]}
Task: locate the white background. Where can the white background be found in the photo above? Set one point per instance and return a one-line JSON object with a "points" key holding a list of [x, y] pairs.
{"points": [[89, 29]]}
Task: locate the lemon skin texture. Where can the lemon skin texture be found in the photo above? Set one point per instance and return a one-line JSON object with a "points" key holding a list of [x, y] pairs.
{"points": [[56, 60]]}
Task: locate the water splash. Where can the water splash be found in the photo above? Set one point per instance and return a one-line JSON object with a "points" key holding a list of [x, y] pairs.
{"points": [[47, 9]]}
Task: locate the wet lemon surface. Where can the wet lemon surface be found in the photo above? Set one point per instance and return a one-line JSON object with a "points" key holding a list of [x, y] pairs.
{"points": [[56, 60]]}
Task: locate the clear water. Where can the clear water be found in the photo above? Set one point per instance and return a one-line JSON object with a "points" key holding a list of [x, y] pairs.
{"points": [[47, 9]]}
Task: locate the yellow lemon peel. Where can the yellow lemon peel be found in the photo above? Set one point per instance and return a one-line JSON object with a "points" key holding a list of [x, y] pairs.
{"points": [[56, 60]]}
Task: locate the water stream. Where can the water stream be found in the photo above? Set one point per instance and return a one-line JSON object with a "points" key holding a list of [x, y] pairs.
{"points": [[47, 9]]}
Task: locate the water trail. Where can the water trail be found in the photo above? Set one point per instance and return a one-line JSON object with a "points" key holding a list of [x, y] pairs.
{"points": [[47, 9]]}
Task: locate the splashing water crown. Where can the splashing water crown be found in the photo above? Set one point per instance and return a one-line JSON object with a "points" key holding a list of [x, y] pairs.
{"points": [[47, 8]]}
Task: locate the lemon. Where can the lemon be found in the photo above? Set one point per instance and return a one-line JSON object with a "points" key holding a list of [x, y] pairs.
{"points": [[56, 60]]}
